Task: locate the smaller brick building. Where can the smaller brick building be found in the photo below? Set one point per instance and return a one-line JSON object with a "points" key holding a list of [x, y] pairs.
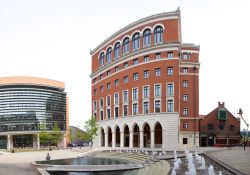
{"points": [[219, 127]]}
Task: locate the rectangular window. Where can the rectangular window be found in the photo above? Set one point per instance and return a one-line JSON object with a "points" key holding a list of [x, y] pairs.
{"points": [[135, 108], [101, 88], [108, 113], [146, 74], [116, 98], [116, 112], [125, 65], [125, 110], [170, 89], [157, 90], [185, 56], [95, 106], [101, 115], [170, 54], [158, 56], [185, 83], [185, 97], [117, 82], [95, 91], [146, 107], [157, 106], [185, 125], [185, 111], [210, 126], [125, 79], [185, 141], [116, 68], [135, 76], [94, 80], [146, 92], [185, 70], [95, 116], [170, 70], [157, 72], [135, 94], [101, 103], [146, 58], [108, 72], [125, 96], [170, 106], [101, 76], [232, 127], [108, 86], [135, 61], [108, 100]]}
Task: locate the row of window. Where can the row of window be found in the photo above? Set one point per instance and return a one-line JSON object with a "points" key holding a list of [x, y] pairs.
{"points": [[135, 78], [146, 38], [210, 126], [136, 61], [135, 107], [135, 94]]}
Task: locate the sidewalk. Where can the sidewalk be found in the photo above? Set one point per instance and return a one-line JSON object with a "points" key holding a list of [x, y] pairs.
{"points": [[237, 158], [19, 163]]}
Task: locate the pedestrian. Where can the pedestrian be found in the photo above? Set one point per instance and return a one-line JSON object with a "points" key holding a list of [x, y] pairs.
{"points": [[48, 156], [229, 146]]}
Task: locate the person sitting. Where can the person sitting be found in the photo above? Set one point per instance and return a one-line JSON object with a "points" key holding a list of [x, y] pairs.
{"points": [[48, 156]]}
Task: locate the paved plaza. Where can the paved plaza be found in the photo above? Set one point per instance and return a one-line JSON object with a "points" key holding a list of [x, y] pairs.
{"points": [[19, 163]]}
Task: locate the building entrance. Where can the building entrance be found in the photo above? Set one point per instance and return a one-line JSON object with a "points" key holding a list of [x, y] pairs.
{"points": [[22, 141], [3, 142]]}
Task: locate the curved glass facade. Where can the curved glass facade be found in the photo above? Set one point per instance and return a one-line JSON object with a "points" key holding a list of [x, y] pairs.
{"points": [[25, 107]]}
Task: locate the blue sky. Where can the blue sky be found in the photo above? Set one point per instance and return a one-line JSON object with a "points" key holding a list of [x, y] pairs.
{"points": [[52, 39]]}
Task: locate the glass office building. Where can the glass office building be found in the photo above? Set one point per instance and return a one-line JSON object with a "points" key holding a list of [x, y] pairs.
{"points": [[25, 104]]}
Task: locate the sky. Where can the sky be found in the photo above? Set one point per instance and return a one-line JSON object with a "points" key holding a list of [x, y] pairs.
{"points": [[52, 39]]}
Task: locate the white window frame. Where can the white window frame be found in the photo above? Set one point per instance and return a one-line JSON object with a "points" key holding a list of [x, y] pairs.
{"points": [[108, 108], [123, 110], [155, 90], [123, 96], [168, 99], [117, 93], [144, 93], [144, 101], [133, 99], [168, 94], [160, 105], [101, 107], [107, 101], [137, 110]]}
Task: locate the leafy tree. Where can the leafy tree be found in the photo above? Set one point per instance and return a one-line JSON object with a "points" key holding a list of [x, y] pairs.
{"points": [[45, 137], [71, 137], [56, 134], [91, 129]]}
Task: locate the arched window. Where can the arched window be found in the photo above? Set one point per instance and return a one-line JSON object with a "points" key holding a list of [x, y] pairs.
{"points": [[158, 32], [126, 45], [146, 38], [136, 41], [109, 55], [117, 50], [101, 59]]}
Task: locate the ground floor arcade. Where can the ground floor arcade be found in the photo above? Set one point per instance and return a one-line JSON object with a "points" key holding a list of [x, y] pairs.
{"points": [[23, 140], [150, 131]]}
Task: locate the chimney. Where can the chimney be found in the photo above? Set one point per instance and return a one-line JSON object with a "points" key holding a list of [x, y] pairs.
{"points": [[221, 105]]}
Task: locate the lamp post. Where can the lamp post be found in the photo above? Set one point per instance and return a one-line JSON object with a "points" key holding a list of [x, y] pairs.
{"points": [[240, 113], [244, 130]]}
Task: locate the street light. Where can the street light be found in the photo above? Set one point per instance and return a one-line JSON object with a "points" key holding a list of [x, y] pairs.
{"points": [[244, 130], [240, 113]]}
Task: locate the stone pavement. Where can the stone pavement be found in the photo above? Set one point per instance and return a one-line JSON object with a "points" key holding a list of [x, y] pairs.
{"points": [[236, 158], [19, 163]]}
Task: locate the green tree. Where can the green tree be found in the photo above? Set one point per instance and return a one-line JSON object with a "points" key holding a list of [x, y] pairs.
{"points": [[56, 134], [90, 129], [45, 136]]}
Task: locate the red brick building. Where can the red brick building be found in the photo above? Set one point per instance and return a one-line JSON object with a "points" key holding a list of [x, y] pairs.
{"points": [[145, 85], [219, 127]]}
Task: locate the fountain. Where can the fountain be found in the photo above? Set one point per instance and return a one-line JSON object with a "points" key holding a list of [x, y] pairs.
{"points": [[203, 163], [175, 155], [211, 170], [176, 165], [173, 172]]}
